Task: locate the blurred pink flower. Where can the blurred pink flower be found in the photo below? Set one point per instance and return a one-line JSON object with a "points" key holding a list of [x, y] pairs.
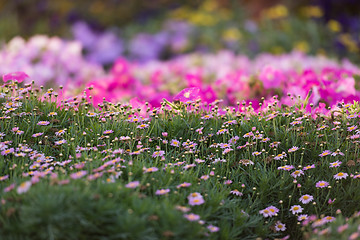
{"points": [[16, 76], [188, 94]]}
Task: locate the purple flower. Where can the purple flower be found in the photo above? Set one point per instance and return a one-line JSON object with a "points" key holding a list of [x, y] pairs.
{"points": [[37, 134], [7, 151], [60, 142], [195, 199], [24, 187], [43, 123], [192, 217], [213, 228], [322, 184], [158, 154], [133, 184], [185, 184], [108, 132], [162, 191], [78, 175]]}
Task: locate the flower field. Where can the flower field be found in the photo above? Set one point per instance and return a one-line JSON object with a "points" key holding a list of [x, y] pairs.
{"points": [[213, 119], [184, 170]]}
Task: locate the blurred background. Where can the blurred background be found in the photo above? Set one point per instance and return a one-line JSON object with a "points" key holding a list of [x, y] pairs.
{"points": [[162, 29], [234, 50]]}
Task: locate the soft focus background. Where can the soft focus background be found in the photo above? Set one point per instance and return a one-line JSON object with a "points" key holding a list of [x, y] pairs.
{"points": [[231, 49], [161, 29]]}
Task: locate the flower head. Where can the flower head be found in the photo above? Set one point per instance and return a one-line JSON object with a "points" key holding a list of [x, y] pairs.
{"points": [[133, 184], [269, 211], [43, 123], [341, 175], [188, 94], [192, 217], [322, 184], [162, 191], [24, 187], [77, 175], [305, 199], [280, 226], [296, 209], [213, 228]]}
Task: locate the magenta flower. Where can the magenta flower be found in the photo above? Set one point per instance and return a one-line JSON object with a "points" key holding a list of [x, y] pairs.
{"points": [[188, 94], [16, 76]]}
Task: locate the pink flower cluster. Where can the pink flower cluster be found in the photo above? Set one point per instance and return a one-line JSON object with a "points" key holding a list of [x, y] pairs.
{"points": [[230, 78]]}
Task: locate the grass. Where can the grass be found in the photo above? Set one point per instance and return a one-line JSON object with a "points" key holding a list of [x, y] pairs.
{"points": [[72, 181]]}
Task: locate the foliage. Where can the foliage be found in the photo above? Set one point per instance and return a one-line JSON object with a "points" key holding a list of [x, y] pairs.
{"points": [[186, 171]]}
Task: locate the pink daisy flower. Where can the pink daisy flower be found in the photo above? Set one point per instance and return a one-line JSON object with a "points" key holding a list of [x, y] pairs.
{"points": [[213, 228], [236, 192], [151, 169], [305, 199], [185, 184], [297, 173], [24, 187], [78, 175], [7, 151], [43, 123], [296, 209], [269, 211], [133, 184], [322, 184], [196, 201], [192, 217], [280, 226], [335, 164], [325, 153], [158, 154], [341, 175], [293, 149], [162, 191]]}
